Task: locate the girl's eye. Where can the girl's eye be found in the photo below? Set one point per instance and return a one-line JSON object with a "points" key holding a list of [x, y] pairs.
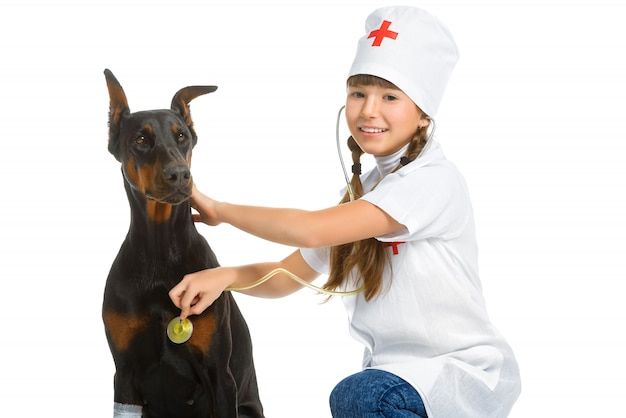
{"points": [[357, 95], [390, 98]]}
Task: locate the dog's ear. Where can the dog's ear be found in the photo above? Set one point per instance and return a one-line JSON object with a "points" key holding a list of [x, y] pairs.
{"points": [[184, 96], [118, 106]]}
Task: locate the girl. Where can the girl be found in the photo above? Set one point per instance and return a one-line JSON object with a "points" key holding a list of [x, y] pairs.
{"points": [[404, 233]]}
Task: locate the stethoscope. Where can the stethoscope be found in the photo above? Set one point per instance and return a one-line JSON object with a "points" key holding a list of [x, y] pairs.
{"points": [[179, 330], [339, 153]]}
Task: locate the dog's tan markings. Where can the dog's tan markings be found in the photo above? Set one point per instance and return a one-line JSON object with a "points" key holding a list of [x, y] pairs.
{"points": [[159, 212], [148, 129], [133, 176], [203, 329], [123, 328], [147, 178], [144, 180]]}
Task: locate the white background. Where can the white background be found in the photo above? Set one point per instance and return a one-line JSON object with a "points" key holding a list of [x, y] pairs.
{"points": [[533, 116]]}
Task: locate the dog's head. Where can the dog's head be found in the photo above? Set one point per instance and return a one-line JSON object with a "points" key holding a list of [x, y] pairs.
{"points": [[154, 146]]}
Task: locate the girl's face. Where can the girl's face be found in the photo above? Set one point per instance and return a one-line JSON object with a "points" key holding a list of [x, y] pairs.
{"points": [[381, 119]]}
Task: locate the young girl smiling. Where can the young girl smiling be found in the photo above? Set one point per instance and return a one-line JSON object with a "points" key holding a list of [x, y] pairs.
{"points": [[403, 232]]}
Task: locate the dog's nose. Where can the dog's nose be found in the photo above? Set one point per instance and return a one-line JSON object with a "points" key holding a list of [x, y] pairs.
{"points": [[178, 175]]}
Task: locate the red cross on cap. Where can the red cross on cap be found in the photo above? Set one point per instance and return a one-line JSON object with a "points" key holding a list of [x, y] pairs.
{"points": [[382, 33]]}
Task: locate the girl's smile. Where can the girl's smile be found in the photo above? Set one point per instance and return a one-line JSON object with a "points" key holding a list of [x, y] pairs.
{"points": [[367, 130]]}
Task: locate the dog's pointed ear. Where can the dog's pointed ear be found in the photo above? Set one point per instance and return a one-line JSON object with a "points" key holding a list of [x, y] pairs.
{"points": [[118, 103], [118, 106], [184, 96]]}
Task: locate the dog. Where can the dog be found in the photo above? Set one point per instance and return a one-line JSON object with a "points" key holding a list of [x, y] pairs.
{"points": [[212, 374]]}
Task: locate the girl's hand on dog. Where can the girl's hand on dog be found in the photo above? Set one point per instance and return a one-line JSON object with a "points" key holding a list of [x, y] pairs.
{"points": [[206, 207]]}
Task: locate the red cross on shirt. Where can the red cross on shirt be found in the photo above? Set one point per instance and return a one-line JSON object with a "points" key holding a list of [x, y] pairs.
{"points": [[394, 246], [382, 33]]}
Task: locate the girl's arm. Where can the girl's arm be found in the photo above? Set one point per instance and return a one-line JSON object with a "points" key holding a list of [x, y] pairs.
{"points": [[197, 291], [336, 225], [340, 224]]}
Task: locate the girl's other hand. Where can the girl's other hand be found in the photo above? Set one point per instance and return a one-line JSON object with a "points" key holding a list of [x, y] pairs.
{"points": [[197, 291]]}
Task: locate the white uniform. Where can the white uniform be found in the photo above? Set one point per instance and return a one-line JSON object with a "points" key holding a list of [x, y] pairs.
{"points": [[430, 325]]}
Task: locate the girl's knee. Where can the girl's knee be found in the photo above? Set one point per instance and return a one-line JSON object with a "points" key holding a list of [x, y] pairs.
{"points": [[346, 394], [375, 393], [359, 392]]}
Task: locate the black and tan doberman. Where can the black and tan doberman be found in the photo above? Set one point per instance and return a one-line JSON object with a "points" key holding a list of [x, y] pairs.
{"points": [[212, 374]]}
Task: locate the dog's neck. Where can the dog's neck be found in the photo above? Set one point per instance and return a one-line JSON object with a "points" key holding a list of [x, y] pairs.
{"points": [[155, 222]]}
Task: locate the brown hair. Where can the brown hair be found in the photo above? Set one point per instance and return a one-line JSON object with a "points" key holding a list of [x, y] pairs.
{"points": [[368, 256]]}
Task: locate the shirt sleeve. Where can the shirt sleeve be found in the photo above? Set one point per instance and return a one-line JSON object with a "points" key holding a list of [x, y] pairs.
{"points": [[430, 201], [317, 258]]}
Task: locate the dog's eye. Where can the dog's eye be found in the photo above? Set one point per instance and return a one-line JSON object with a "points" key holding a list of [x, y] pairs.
{"points": [[181, 137], [140, 140]]}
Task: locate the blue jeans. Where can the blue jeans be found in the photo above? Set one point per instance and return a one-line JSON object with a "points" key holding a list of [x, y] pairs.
{"points": [[375, 394]]}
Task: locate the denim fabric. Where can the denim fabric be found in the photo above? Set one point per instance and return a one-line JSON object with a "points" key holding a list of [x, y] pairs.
{"points": [[375, 394]]}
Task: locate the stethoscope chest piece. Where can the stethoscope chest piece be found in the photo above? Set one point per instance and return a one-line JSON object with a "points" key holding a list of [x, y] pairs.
{"points": [[179, 330]]}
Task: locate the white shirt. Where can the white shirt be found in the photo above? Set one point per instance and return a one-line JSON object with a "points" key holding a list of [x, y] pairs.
{"points": [[430, 325]]}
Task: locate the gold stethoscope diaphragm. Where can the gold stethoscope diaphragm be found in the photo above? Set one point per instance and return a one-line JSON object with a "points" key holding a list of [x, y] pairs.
{"points": [[179, 330]]}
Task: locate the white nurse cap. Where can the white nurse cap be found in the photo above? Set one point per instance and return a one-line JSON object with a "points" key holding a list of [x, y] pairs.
{"points": [[410, 48]]}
